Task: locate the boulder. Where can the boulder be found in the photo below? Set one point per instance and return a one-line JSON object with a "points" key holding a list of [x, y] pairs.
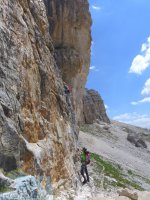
{"points": [[23, 188], [141, 143], [128, 193], [137, 140], [5, 181]]}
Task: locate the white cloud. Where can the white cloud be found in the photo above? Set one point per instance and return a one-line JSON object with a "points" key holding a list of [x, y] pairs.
{"points": [[134, 119], [96, 7], [92, 67], [134, 103], [146, 89], [145, 100], [142, 61]]}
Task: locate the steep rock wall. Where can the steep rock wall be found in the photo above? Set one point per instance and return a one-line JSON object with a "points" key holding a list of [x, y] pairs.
{"points": [[37, 129], [93, 108], [70, 23]]}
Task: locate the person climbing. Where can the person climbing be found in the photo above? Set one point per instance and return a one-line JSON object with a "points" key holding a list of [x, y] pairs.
{"points": [[66, 89], [85, 160], [70, 88]]}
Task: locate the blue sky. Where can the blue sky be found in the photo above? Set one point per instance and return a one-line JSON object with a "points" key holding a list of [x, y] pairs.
{"points": [[120, 58]]}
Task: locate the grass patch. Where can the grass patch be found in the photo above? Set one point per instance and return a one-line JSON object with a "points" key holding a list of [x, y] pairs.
{"points": [[146, 180], [86, 128], [5, 189], [15, 173], [115, 172]]}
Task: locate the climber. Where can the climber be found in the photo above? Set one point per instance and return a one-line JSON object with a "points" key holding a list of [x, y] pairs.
{"points": [[67, 88], [70, 88], [67, 91], [85, 160]]}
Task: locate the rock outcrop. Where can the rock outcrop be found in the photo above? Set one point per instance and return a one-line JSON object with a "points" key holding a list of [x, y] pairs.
{"points": [[5, 181], [37, 127], [137, 140], [93, 108], [44, 43], [70, 23], [137, 136], [24, 188]]}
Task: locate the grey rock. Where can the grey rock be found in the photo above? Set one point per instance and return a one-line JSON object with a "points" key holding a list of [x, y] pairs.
{"points": [[27, 188], [141, 143], [4, 181], [137, 140], [93, 108], [128, 193], [8, 162], [33, 107], [131, 138], [70, 24], [24, 188]]}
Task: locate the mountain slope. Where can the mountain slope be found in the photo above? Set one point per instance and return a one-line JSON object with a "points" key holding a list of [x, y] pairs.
{"points": [[110, 142]]}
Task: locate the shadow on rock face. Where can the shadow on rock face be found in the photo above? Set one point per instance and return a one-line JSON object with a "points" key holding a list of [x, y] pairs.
{"points": [[8, 163]]}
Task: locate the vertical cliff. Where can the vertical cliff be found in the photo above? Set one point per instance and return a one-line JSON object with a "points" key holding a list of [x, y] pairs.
{"points": [[93, 108], [37, 129], [70, 23], [43, 43]]}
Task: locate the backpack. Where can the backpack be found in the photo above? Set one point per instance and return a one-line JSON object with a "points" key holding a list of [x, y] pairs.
{"points": [[87, 157], [70, 88]]}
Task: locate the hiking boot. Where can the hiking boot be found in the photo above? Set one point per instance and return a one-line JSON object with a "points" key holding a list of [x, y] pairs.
{"points": [[84, 182]]}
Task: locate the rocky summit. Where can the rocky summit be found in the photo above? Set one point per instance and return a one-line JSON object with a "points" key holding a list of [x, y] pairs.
{"points": [[47, 115], [93, 108]]}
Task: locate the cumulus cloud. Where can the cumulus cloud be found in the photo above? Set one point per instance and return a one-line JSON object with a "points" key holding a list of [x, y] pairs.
{"points": [[94, 68], [145, 100], [141, 120], [142, 61], [146, 89], [96, 7]]}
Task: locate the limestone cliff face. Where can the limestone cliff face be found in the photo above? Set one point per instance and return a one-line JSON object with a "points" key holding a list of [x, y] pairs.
{"points": [[93, 108], [36, 125], [70, 23]]}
